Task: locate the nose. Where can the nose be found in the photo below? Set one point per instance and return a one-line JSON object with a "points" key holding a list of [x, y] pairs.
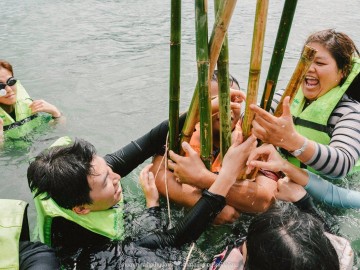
{"points": [[312, 67], [116, 178]]}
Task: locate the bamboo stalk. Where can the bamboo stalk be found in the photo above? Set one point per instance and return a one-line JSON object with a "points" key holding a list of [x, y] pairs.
{"points": [[221, 25], [255, 63], [304, 63], [278, 53], [224, 93], [202, 59], [174, 82]]}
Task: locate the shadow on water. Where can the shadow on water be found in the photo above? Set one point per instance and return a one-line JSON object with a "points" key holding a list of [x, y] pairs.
{"points": [[105, 64]]}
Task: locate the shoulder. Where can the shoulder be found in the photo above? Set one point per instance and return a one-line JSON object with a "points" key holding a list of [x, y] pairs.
{"points": [[347, 105]]}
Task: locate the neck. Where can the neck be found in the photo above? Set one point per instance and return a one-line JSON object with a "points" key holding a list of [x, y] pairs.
{"points": [[7, 108]]}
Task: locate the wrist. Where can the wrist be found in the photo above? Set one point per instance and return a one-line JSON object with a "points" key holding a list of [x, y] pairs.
{"points": [[152, 203], [56, 115]]}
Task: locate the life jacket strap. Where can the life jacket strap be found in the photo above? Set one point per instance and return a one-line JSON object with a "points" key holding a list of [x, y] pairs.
{"points": [[21, 122], [306, 123]]}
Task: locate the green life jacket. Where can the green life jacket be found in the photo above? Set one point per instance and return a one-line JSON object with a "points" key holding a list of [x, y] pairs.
{"points": [[11, 219], [24, 122], [108, 223], [312, 121]]}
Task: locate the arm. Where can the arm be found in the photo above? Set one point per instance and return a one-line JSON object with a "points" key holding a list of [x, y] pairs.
{"points": [[244, 196], [316, 186], [184, 194], [210, 204], [130, 156], [280, 131], [328, 193], [37, 256]]}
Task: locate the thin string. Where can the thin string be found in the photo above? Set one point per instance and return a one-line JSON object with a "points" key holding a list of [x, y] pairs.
{"points": [[189, 254], [166, 182]]}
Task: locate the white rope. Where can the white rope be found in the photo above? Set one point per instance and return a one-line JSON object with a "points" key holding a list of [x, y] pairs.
{"points": [[166, 182], [189, 254]]}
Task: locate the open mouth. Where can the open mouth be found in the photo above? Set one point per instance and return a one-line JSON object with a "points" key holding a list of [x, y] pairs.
{"points": [[311, 81]]}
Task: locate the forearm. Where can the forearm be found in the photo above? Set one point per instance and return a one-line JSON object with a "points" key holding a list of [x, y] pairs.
{"points": [[130, 156], [190, 228], [295, 173], [328, 193], [252, 196]]}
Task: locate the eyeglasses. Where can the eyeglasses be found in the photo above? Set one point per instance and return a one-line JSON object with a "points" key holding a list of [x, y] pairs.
{"points": [[10, 82]]}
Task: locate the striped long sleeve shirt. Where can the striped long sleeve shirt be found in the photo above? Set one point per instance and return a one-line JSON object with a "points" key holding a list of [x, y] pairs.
{"points": [[338, 158]]}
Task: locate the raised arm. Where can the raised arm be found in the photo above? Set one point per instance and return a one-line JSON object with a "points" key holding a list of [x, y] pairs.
{"points": [[210, 204], [136, 152]]}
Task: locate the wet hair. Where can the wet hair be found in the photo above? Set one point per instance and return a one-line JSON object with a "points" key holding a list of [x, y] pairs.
{"points": [[61, 173], [341, 47], [232, 80], [287, 238], [6, 65]]}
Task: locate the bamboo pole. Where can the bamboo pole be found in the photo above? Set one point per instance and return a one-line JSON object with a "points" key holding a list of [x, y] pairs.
{"points": [[202, 59], [304, 63], [174, 82], [221, 25], [278, 53], [255, 63], [224, 93]]}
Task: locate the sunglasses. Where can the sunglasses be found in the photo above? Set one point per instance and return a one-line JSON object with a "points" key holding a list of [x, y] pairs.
{"points": [[10, 82]]}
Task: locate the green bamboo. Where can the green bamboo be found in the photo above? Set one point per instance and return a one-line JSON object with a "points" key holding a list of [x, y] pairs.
{"points": [[255, 63], [304, 63], [278, 53], [221, 25], [202, 59], [174, 82], [224, 93]]}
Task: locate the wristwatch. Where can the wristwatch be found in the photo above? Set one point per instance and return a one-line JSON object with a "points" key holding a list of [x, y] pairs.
{"points": [[299, 151]]}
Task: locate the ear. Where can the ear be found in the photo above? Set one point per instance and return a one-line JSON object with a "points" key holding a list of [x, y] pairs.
{"points": [[81, 210]]}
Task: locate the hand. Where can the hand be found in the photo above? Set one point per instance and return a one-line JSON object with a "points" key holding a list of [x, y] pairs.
{"points": [[147, 182], [236, 97], [43, 106], [289, 191], [228, 215], [190, 169], [235, 158], [270, 159], [279, 131]]}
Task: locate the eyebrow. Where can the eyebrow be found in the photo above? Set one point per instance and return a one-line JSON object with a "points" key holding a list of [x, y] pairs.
{"points": [[106, 176]]}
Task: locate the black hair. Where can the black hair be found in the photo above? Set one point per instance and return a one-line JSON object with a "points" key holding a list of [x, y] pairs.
{"points": [[287, 238], [61, 173], [232, 79]]}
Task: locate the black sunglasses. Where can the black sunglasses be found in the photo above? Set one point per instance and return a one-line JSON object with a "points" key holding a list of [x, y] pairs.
{"points": [[10, 82]]}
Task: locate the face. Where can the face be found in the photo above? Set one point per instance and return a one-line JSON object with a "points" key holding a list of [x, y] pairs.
{"points": [[10, 97], [105, 186], [235, 114], [323, 74]]}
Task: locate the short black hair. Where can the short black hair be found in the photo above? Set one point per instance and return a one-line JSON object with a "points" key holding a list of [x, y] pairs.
{"points": [[61, 173]]}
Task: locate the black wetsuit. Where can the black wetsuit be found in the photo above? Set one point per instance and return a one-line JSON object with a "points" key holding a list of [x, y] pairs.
{"points": [[86, 250]]}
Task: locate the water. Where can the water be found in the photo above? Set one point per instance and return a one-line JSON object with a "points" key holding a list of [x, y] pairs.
{"points": [[105, 64]]}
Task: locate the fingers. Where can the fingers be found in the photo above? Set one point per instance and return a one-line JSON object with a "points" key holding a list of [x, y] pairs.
{"points": [[286, 106], [237, 95], [262, 113], [145, 174]]}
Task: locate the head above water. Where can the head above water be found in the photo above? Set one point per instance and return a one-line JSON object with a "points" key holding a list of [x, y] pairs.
{"points": [[75, 178], [287, 238], [235, 114], [332, 63], [7, 84], [341, 47]]}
